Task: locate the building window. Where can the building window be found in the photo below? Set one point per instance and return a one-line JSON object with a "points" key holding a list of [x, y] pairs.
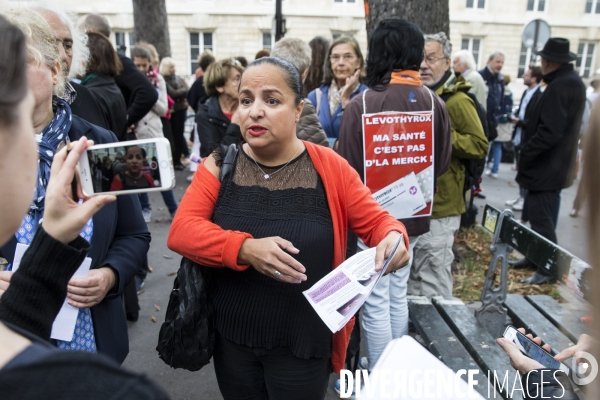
{"points": [[524, 59], [536, 5], [199, 41], [124, 41], [475, 3], [585, 58], [592, 7], [474, 46], [267, 41], [336, 35]]}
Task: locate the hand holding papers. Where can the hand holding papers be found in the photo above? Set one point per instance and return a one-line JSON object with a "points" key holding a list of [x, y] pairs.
{"points": [[339, 295]]}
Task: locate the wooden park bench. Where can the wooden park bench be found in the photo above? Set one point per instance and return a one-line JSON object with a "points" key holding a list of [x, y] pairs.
{"points": [[466, 340]]}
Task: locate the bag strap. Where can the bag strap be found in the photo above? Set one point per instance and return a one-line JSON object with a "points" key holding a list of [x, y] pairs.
{"points": [[318, 94], [364, 101], [431, 96], [230, 152]]}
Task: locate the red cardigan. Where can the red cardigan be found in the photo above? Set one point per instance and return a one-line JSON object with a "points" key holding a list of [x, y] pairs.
{"points": [[351, 204]]}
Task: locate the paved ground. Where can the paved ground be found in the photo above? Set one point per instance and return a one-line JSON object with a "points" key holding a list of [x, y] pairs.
{"points": [[202, 384]]}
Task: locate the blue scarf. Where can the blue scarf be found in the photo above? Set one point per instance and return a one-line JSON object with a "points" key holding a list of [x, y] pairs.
{"points": [[49, 140]]}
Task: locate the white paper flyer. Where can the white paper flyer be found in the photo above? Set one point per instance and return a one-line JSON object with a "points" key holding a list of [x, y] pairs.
{"points": [[341, 293]]}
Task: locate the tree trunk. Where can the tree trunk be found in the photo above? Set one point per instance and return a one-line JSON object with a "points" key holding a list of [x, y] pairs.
{"points": [[151, 24], [431, 16]]}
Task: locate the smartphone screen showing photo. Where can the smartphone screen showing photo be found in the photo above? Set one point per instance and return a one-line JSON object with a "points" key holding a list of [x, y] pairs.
{"points": [[535, 352], [124, 168]]}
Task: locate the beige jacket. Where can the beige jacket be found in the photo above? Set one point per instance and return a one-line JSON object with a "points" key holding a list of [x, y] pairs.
{"points": [[151, 126]]}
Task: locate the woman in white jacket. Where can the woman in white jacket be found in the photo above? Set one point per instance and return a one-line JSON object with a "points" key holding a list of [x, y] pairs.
{"points": [[151, 125]]}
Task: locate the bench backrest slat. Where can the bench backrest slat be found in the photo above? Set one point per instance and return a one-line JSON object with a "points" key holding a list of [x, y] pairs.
{"points": [[558, 262]]}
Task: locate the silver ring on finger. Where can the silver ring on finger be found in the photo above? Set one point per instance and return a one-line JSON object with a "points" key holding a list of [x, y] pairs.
{"points": [[277, 274]]}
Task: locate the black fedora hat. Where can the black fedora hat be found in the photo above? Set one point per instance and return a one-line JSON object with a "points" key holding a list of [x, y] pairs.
{"points": [[557, 50]]}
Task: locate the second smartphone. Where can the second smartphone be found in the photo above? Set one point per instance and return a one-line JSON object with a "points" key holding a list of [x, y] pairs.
{"points": [[532, 350]]}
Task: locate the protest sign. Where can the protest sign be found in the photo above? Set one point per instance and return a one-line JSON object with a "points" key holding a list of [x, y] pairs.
{"points": [[398, 155]]}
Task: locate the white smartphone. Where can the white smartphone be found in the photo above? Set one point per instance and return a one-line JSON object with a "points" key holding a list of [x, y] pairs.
{"points": [[135, 166], [532, 350]]}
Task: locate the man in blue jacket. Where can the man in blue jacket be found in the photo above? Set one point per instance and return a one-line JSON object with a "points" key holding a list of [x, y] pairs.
{"points": [[495, 83]]}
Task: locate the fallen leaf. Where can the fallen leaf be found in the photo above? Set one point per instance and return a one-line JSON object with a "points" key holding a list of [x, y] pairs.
{"points": [[157, 308], [161, 219], [150, 269], [153, 318], [161, 209], [167, 257], [171, 273]]}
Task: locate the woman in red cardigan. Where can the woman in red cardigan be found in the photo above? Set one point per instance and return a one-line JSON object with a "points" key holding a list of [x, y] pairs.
{"points": [[272, 229]]}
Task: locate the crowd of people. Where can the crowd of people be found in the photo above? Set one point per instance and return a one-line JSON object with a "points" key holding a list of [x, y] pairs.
{"points": [[294, 206]]}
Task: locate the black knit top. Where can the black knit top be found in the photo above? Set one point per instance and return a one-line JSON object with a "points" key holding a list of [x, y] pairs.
{"points": [[256, 310]]}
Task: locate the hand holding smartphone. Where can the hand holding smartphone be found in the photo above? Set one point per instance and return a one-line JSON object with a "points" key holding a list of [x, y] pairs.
{"points": [[530, 349], [65, 215], [135, 166]]}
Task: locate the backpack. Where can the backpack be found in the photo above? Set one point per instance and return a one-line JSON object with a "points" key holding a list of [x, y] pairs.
{"points": [[473, 168]]}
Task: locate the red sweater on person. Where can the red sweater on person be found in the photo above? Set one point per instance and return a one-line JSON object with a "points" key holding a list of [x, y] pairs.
{"points": [[351, 204]]}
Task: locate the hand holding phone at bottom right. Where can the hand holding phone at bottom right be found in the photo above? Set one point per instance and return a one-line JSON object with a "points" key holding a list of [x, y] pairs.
{"points": [[526, 352]]}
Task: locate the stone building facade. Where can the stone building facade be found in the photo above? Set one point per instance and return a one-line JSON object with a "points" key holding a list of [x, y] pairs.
{"points": [[242, 27]]}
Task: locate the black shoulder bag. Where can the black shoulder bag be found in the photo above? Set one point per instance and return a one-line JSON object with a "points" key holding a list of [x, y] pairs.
{"points": [[187, 337]]}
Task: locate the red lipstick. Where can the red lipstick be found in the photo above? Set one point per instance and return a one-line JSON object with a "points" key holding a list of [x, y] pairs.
{"points": [[257, 130]]}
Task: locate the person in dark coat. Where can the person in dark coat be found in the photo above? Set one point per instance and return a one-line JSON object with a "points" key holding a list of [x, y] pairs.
{"points": [[217, 119], [197, 94], [138, 93], [103, 66], [177, 89], [531, 78], [546, 162]]}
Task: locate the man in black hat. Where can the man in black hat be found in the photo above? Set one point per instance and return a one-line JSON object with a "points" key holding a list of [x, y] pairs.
{"points": [[549, 142]]}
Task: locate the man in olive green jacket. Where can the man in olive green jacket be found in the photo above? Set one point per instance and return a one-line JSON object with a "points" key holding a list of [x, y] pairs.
{"points": [[431, 269]]}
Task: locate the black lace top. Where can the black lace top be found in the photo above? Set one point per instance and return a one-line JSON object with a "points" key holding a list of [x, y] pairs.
{"points": [[256, 310]]}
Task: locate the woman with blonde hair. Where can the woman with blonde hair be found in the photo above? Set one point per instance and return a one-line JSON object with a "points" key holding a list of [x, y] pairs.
{"points": [[217, 119], [177, 88]]}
